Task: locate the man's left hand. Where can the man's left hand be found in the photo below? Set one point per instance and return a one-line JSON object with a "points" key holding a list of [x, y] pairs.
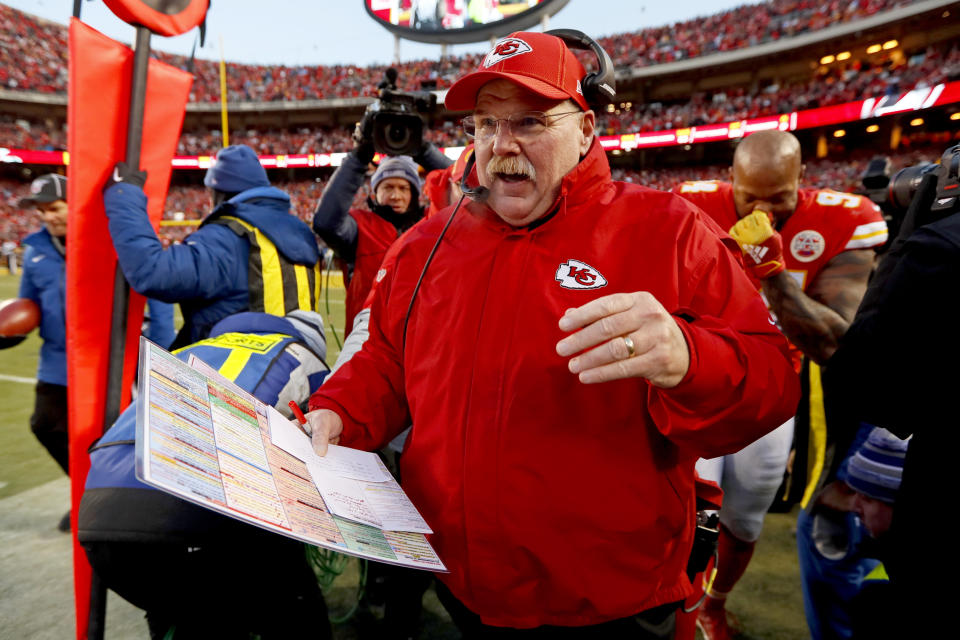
{"points": [[125, 174], [610, 326]]}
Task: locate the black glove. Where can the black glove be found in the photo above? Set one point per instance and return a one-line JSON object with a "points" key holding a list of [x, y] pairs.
{"points": [[122, 173], [363, 139], [11, 341]]}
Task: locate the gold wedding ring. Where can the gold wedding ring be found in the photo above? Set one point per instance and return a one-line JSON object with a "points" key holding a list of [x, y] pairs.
{"points": [[629, 344]]}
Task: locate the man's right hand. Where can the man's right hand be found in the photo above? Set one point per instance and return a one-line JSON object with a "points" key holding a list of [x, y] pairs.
{"points": [[761, 244], [326, 427], [363, 139]]}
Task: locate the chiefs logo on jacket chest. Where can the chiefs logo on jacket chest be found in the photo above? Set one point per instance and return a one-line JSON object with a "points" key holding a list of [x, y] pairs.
{"points": [[574, 274]]}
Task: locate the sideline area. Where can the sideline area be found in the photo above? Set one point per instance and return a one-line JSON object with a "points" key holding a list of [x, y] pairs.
{"points": [[36, 584]]}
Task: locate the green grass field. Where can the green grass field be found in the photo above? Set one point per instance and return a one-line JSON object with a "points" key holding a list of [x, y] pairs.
{"points": [[767, 600]]}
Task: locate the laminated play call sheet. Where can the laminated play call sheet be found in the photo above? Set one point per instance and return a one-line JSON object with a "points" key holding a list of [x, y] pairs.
{"points": [[203, 439]]}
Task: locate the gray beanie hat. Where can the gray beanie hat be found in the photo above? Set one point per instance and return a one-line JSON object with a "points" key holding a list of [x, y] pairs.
{"points": [[875, 469], [397, 167]]}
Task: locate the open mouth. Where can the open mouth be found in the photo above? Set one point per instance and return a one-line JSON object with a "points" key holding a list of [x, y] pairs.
{"points": [[513, 177]]}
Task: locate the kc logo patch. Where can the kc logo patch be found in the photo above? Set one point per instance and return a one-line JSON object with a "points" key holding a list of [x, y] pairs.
{"points": [[506, 48], [807, 245], [574, 274]]}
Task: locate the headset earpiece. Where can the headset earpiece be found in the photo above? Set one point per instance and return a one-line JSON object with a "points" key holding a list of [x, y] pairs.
{"points": [[600, 86]]}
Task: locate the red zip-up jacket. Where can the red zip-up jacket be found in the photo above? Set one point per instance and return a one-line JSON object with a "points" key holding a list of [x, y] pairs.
{"points": [[556, 502], [374, 237]]}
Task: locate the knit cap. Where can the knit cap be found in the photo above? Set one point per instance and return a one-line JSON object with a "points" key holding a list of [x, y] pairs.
{"points": [[397, 167], [47, 188], [877, 466], [236, 169]]}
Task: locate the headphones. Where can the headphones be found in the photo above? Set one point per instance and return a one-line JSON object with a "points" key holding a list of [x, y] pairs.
{"points": [[599, 87]]}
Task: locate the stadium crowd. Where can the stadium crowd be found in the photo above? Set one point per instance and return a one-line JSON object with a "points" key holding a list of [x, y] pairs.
{"points": [[187, 202], [825, 87], [33, 53]]}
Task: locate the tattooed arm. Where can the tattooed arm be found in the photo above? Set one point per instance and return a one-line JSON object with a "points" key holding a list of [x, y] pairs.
{"points": [[816, 319]]}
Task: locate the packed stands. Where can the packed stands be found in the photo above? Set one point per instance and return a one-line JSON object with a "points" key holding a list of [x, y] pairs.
{"points": [[186, 203], [826, 86], [33, 53], [836, 85], [745, 26]]}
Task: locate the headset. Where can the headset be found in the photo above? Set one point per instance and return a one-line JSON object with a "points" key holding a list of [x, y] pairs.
{"points": [[599, 88]]}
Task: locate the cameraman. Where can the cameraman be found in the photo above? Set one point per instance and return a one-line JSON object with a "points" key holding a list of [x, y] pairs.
{"points": [[361, 237], [902, 335]]}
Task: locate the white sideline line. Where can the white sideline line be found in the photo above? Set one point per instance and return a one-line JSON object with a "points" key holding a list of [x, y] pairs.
{"points": [[4, 376]]}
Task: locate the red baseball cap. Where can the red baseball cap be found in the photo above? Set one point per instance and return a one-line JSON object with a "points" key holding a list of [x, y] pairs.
{"points": [[537, 61]]}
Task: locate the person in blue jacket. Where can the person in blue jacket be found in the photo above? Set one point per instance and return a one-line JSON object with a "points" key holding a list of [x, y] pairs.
{"points": [[249, 254], [45, 282], [192, 569]]}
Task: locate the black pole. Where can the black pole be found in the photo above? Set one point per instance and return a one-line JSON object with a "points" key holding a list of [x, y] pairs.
{"points": [[76, 8], [121, 301]]}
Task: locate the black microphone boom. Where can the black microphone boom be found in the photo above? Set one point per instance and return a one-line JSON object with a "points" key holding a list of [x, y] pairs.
{"points": [[478, 193]]}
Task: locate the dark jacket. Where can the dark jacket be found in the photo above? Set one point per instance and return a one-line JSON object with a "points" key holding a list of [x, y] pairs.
{"points": [[208, 274], [894, 365]]}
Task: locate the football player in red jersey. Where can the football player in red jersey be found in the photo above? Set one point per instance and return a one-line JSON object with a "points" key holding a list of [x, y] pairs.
{"points": [[810, 252]]}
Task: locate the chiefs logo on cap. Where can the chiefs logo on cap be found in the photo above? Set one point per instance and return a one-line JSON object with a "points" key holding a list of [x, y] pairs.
{"points": [[506, 48], [574, 274]]}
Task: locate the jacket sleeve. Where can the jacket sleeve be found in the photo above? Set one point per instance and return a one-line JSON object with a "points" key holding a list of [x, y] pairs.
{"points": [[332, 220], [27, 288], [205, 266], [741, 383], [160, 328], [431, 158], [369, 388]]}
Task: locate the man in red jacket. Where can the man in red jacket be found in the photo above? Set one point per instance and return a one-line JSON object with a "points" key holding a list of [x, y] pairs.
{"points": [[573, 345], [810, 251]]}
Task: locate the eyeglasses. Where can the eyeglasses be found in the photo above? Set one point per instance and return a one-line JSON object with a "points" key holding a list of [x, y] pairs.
{"points": [[524, 125]]}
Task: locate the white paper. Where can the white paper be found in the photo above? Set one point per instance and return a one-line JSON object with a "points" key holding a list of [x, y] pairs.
{"points": [[289, 437], [344, 497], [350, 463], [393, 508], [380, 504]]}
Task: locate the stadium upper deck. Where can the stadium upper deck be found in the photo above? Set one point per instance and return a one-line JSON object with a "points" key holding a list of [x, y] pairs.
{"points": [[33, 51]]}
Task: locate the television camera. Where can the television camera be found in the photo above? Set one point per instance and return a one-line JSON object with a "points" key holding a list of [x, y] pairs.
{"points": [[394, 122]]}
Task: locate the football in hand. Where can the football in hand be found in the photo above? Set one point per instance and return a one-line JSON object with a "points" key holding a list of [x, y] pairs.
{"points": [[18, 317]]}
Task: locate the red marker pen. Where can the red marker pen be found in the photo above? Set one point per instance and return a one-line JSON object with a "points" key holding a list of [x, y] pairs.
{"points": [[298, 414]]}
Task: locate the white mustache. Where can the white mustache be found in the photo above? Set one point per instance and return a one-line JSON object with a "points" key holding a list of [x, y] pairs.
{"points": [[511, 165]]}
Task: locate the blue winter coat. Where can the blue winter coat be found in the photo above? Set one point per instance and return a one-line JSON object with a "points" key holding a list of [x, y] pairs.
{"points": [[45, 282], [208, 274]]}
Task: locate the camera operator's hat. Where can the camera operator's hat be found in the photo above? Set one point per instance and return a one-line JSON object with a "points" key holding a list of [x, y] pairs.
{"points": [[236, 169], [397, 167], [876, 468], [47, 188], [542, 63]]}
